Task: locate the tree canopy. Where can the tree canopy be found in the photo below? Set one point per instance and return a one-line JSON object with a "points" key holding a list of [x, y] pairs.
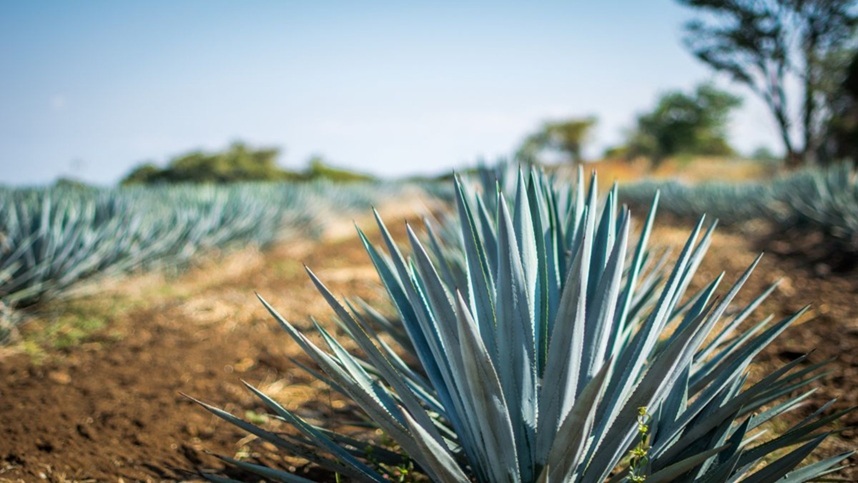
{"points": [[765, 44], [238, 162], [565, 137], [684, 123], [842, 140]]}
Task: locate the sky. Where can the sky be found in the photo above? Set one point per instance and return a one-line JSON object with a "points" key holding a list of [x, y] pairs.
{"points": [[91, 89]]}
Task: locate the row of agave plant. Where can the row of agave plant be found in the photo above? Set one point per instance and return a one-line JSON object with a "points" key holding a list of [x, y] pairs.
{"points": [[52, 238], [814, 200], [542, 344]]}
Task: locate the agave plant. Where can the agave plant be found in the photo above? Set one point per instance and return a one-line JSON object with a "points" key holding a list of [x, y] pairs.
{"points": [[535, 366], [823, 200], [820, 201], [53, 238], [730, 203]]}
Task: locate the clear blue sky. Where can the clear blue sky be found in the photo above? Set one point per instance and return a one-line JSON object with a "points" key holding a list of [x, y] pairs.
{"points": [[90, 89]]}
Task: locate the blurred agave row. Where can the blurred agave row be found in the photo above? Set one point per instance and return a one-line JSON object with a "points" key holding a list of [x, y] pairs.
{"points": [[815, 200], [52, 238], [535, 341], [824, 200]]}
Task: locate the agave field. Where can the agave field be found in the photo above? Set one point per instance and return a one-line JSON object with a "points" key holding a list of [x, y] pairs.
{"points": [[525, 329], [52, 239], [820, 204]]}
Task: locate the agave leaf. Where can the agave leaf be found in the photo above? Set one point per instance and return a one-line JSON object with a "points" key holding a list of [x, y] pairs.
{"points": [[364, 392], [439, 374], [728, 459], [263, 471], [443, 319], [488, 234], [741, 357], [725, 377], [380, 362], [480, 275], [624, 309], [385, 325], [792, 437], [776, 469], [567, 450], [422, 338], [632, 361], [217, 479], [438, 461], [674, 471], [319, 438], [741, 317], [712, 420], [435, 245], [781, 408], [603, 241], [661, 375], [565, 351], [705, 368], [360, 448], [604, 302], [816, 470], [485, 388], [276, 440], [528, 253], [694, 262], [546, 285], [515, 338]]}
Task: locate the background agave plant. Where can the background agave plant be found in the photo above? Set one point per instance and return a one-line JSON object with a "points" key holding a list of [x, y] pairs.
{"points": [[53, 238], [820, 201], [535, 358]]}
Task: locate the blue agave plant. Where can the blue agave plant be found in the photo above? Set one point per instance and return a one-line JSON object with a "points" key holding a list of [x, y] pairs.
{"points": [[537, 355]]}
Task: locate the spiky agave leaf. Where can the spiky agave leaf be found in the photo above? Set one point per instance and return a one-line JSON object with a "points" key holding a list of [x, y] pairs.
{"points": [[537, 373]]}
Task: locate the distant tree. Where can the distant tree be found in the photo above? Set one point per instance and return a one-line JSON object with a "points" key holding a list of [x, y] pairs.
{"points": [[682, 123], [764, 44], [65, 182], [147, 173], [566, 137], [319, 168], [613, 152], [237, 163]]}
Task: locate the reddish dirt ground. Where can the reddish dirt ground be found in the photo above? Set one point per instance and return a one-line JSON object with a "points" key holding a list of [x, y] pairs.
{"points": [[110, 409]]}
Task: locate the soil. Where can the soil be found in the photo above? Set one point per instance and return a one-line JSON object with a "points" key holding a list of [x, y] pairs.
{"points": [[110, 407]]}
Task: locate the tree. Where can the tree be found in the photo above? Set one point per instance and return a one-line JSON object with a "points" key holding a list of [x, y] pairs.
{"points": [[842, 139], [237, 163], [684, 123], [319, 168], [566, 137], [146, 173], [766, 44]]}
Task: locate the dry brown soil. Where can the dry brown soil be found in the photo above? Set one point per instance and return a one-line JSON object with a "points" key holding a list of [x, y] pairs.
{"points": [[109, 408]]}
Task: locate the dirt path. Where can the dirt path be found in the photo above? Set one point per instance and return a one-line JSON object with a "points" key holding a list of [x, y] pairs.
{"points": [[108, 408]]}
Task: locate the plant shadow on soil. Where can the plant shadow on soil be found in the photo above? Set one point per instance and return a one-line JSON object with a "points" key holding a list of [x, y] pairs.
{"points": [[107, 407]]}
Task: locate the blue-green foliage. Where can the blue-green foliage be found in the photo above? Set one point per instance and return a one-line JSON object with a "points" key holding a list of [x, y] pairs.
{"points": [[816, 200], [538, 346], [51, 238], [729, 203], [824, 200]]}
